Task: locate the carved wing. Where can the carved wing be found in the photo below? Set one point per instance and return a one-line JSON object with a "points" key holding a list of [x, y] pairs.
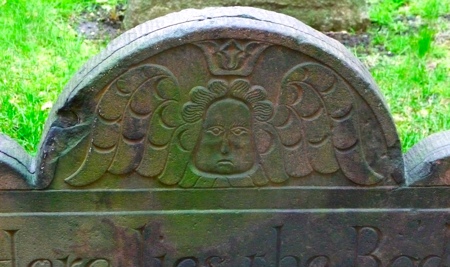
{"points": [[132, 126], [317, 123]]}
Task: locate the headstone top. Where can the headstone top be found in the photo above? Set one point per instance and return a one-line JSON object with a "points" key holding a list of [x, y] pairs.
{"points": [[224, 137], [220, 97]]}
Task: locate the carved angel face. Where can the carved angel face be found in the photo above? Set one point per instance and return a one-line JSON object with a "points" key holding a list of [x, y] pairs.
{"points": [[225, 144], [228, 112]]}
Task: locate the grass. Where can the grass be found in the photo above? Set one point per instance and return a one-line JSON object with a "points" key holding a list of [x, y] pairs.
{"points": [[414, 74], [41, 51]]}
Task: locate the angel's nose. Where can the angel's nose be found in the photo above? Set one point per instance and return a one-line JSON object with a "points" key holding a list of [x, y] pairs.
{"points": [[225, 146]]}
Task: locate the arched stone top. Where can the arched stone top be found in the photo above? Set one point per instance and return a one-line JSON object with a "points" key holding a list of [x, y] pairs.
{"points": [[428, 162], [220, 97]]}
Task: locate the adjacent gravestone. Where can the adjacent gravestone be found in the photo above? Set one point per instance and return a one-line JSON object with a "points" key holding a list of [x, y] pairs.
{"points": [[220, 137], [428, 162], [323, 15]]}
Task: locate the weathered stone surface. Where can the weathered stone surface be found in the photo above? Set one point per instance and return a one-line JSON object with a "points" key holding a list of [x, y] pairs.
{"points": [[15, 165], [222, 137], [428, 162], [323, 15], [191, 236]]}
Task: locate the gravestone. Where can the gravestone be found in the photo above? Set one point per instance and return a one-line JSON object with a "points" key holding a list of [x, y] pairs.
{"points": [[323, 15], [229, 137]]}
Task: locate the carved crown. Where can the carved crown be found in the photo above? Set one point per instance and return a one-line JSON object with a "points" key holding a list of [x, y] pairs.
{"points": [[232, 57]]}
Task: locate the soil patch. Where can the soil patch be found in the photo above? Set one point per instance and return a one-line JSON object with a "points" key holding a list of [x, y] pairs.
{"points": [[350, 40], [101, 22]]}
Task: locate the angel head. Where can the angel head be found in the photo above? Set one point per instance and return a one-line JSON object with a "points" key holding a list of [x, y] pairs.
{"points": [[226, 145]]}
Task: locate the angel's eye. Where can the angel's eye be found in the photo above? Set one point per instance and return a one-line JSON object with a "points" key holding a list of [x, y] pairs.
{"points": [[239, 130], [215, 130]]}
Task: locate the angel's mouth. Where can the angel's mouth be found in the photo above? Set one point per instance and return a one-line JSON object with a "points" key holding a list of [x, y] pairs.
{"points": [[225, 162]]}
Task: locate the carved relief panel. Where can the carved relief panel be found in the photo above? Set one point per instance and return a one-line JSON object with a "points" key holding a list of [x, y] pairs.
{"points": [[230, 113]]}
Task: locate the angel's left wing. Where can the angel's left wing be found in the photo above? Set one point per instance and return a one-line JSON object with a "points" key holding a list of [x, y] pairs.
{"points": [[324, 126]]}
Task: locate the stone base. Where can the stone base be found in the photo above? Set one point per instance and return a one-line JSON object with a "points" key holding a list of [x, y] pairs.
{"points": [[161, 228]]}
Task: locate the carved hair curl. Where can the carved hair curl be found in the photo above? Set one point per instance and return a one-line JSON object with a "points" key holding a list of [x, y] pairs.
{"points": [[201, 98]]}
